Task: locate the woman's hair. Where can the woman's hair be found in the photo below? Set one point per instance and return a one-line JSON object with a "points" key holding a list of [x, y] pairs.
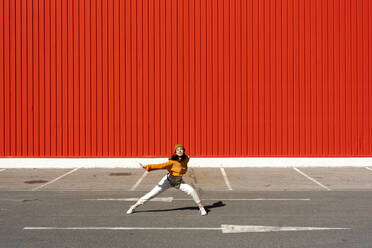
{"points": [[175, 157]]}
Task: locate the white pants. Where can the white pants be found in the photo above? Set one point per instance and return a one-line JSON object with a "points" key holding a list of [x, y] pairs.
{"points": [[164, 185]]}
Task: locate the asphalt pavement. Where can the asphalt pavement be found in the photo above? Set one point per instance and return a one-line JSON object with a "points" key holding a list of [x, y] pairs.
{"points": [[250, 207]]}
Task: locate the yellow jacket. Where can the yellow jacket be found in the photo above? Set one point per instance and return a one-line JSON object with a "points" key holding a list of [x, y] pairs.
{"points": [[175, 168]]}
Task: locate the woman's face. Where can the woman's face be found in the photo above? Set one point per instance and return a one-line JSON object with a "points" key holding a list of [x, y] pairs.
{"points": [[179, 151]]}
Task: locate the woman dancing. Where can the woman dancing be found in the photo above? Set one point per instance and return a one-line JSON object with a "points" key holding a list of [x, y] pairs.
{"points": [[177, 167]]}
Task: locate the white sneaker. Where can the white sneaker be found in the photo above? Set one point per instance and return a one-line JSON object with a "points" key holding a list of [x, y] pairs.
{"points": [[131, 210], [202, 211]]}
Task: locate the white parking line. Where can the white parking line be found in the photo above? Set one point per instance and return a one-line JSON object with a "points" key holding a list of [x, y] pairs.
{"points": [[249, 199], [139, 181], [161, 199], [170, 199], [54, 180], [224, 228], [226, 179], [368, 168], [312, 179], [123, 228], [2, 170]]}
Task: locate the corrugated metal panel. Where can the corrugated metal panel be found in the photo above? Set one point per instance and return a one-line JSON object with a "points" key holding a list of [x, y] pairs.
{"points": [[95, 78]]}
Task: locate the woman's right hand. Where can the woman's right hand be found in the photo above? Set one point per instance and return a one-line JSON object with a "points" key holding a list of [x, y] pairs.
{"points": [[144, 167]]}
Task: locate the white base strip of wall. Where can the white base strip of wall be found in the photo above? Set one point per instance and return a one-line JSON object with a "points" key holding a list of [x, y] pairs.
{"points": [[215, 162]]}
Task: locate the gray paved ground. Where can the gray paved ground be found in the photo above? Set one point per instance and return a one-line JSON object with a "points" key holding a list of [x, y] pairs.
{"points": [[280, 197]]}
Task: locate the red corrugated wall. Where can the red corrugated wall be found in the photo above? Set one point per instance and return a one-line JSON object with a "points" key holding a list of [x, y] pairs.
{"points": [[97, 78]]}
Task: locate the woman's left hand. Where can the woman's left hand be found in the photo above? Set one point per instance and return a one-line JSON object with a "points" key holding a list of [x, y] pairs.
{"points": [[144, 167]]}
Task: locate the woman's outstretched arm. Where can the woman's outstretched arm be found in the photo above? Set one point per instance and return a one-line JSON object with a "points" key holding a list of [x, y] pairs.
{"points": [[151, 167]]}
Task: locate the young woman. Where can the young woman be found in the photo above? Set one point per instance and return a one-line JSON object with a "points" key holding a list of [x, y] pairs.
{"points": [[177, 167]]}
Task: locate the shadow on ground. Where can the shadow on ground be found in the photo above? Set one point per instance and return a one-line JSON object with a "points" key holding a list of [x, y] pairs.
{"points": [[207, 208]]}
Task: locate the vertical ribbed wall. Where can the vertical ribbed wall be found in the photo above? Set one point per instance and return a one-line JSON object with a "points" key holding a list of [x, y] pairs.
{"points": [[97, 78]]}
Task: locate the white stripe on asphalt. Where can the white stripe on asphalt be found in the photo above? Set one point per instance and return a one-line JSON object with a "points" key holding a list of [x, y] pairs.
{"points": [[243, 229], [41, 186], [161, 199], [252, 199], [170, 199], [2, 170], [139, 181], [223, 228], [122, 228], [312, 179], [368, 168], [226, 179]]}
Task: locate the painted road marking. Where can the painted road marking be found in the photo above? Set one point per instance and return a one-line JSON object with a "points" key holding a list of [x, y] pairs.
{"points": [[312, 179], [122, 228], [223, 228], [41, 186], [226, 179], [252, 199], [243, 229], [368, 168], [139, 181], [2, 170], [161, 199], [170, 199]]}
